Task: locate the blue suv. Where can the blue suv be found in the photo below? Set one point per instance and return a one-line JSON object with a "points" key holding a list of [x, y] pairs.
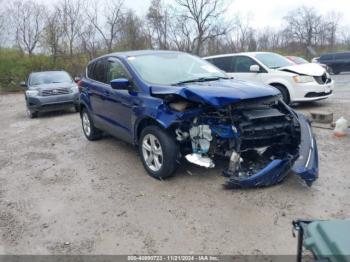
{"points": [[174, 106]]}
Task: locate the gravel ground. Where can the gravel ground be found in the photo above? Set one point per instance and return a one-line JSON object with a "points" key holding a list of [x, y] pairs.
{"points": [[60, 194]]}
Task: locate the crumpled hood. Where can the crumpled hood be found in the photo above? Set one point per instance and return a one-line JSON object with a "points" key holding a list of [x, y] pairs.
{"points": [[310, 69], [217, 93]]}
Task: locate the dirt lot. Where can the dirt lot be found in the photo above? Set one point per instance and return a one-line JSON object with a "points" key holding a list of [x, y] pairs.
{"points": [[61, 194]]}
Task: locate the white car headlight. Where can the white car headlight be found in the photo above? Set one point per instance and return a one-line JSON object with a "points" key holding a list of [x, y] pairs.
{"points": [[32, 93], [303, 79], [74, 89]]}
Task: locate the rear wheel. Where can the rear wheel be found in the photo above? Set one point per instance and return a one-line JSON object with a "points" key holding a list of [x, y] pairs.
{"points": [[284, 92], [159, 152], [90, 131]]}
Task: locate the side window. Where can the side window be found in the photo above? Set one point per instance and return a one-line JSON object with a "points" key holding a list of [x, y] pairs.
{"points": [[243, 63], [99, 71], [339, 56], [115, 70], [326, 57], [224, 63], [89, 70], [346, 55]]}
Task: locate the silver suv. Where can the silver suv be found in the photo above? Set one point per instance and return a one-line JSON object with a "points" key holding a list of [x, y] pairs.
{"points": [[50, 91]]}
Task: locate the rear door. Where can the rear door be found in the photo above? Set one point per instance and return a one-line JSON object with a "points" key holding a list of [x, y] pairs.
{"points": [[347, 61], [97, 88]]}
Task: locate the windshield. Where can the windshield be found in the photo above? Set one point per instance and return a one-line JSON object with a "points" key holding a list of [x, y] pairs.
{"points": [[273, 61], [173, 68], [299, 60], [49, 78]]}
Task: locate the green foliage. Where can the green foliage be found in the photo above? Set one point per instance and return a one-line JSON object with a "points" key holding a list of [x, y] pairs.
{"points": [[16, 66]]}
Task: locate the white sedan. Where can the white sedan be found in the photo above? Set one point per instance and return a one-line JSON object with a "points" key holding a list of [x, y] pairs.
{"points": [[297, 83]]}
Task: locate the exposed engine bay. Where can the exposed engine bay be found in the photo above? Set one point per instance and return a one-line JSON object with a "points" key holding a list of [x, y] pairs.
{"points": [[256, 136]]}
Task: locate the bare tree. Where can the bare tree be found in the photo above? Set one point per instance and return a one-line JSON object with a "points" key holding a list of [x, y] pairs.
{"points": [[89, 43], [206, 18], [2, 26], [303, 26], [158, 21], [133, 36], [110, 26], [28, 21], [53, 33], [70, 13], [331, 25]]}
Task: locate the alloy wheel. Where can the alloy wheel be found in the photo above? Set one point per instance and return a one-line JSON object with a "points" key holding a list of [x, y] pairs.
{"points": [[86, 124], [152, 152]]}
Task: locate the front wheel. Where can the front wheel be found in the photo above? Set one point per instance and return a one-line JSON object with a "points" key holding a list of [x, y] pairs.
{"points": [[284, 92], [32, 114], [159, 152], [335, 71]]}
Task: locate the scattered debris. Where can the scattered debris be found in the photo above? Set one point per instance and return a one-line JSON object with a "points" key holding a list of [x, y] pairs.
{"points": [[341, 127], [322, 116], [121, 214]]}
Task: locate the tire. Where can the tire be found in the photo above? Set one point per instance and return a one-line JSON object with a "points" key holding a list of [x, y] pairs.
{"points": [[167, 157], [284, 92], [90, 131], [32, 114]]}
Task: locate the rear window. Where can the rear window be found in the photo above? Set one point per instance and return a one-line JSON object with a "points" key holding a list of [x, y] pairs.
{"points": [[342, 56], [98, 71], [224, 63], [339, 56]]}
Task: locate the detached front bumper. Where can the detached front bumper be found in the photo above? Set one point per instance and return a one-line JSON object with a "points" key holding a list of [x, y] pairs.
{"points": [[52, 103], [304, 164]]}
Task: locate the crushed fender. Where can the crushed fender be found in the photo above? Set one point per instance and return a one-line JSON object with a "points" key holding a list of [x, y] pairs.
{"points": [[262, 140]]}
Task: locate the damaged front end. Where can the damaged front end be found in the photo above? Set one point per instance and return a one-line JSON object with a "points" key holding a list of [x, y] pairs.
{"points": [[261, 138]]}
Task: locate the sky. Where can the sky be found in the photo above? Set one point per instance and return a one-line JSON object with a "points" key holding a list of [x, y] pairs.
{"points": [[262, 13]]}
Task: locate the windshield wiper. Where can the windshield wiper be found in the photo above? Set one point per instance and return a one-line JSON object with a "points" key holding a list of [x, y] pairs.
{"points": [[200, 79]]}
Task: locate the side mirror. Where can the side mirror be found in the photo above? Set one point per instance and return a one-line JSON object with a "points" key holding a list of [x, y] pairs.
{"points": [[254, 68], [23, 84], [77, 79], [120, 83]]}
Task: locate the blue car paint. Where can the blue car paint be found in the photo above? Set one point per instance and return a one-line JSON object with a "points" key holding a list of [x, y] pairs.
{"points": [[272, 174], [278, 169], [217, 93], [144, 105], [306, 166]]}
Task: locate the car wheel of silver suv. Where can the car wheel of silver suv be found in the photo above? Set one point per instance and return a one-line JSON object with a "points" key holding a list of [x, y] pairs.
{"points": [[32, 114]]}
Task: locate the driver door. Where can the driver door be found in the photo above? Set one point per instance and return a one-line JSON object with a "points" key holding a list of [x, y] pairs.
{"points": [[119, 104], [241, 69]]}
